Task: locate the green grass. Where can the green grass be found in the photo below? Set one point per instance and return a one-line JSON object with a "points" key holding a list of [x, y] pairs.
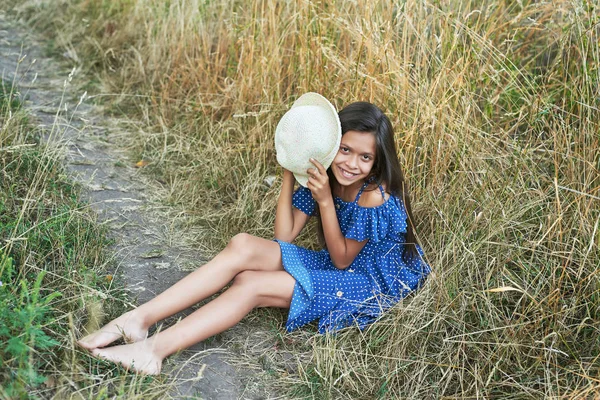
{"points": [[53, 274]]}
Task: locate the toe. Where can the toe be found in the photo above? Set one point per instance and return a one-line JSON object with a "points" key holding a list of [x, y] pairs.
{"points": [[86, 343]]}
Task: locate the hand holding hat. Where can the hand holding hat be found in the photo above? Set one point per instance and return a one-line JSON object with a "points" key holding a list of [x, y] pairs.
{"points": [[310, 129], [318, 182]]}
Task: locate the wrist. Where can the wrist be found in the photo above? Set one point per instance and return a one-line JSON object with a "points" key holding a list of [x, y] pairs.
{"points": [[326, 203], [288, 176]]}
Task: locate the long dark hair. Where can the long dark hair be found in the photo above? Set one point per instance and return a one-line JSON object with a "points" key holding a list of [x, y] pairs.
{"points": [[366, 117]]}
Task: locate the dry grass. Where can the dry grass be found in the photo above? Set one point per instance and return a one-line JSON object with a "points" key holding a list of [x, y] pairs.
{"points": [[496, 108]]}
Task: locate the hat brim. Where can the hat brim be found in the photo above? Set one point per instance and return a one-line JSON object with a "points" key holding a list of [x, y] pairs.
{"points": [[315, 99], [302, 179]]}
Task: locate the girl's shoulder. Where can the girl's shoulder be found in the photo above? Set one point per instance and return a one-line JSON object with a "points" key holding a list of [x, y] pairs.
{"points": [[373, 196]]}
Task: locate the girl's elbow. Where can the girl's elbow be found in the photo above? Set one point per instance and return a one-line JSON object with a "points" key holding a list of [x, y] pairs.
{"points": [[287, 237], [342, 260], [341, 264]]}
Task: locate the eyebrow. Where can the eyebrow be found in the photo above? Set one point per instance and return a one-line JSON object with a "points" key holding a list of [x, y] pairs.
{"points": [[350, 147]]}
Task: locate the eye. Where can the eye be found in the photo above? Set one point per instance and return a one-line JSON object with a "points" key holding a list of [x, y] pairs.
{"points": [[344, 149], [367, 157]]}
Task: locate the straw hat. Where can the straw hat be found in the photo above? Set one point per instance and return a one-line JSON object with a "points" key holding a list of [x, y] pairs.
{"points": [[310, 129]]}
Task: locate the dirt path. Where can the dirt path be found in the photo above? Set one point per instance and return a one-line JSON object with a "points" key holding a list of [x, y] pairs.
{"points": [[149, 251]]}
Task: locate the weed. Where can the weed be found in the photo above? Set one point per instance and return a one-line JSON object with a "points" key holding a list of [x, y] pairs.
{"points": [[23, 314]]}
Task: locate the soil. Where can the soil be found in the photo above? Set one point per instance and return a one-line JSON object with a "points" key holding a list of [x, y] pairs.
{"points": [[150, 252]]}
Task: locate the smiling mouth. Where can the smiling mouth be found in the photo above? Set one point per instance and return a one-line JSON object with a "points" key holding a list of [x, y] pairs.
{"points": [[347, 174]]}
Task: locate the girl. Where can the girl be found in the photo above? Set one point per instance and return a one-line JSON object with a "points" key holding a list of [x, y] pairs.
{"points": [[370, 261]]}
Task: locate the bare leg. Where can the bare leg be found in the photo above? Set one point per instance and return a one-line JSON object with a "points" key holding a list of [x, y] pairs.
{"points": [[250, 289], [244, 252]]}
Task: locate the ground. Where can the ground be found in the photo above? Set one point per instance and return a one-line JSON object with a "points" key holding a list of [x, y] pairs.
{"points": [[150, 250]]}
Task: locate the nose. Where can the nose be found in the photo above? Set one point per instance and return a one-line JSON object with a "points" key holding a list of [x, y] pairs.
{"points": [[353, 162]]}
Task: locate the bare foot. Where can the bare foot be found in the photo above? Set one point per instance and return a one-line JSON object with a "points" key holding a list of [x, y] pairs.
{"points": [[127, 326], [139, 356]]}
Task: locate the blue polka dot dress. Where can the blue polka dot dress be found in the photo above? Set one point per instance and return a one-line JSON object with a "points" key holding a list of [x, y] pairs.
{"points": [[378, 277]]}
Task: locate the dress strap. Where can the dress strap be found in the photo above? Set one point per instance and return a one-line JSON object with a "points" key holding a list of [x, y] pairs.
{"points": [[371, 179]]}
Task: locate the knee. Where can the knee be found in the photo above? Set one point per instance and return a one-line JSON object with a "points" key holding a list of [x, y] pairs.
{"points": [[247, 282], [240, 241], [241, 244]]}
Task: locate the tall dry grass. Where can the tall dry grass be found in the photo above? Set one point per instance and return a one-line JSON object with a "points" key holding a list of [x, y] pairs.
{"points": [[496, 109]]}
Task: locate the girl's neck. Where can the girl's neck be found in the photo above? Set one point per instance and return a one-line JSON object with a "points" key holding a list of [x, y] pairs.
{"points": [[347, 193]]}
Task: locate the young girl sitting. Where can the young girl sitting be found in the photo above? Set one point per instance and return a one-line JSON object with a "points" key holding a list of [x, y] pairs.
{"points": [[371, 259]]}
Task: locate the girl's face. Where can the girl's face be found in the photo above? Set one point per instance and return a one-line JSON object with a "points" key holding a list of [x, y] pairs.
{"points": [[355, 158]]}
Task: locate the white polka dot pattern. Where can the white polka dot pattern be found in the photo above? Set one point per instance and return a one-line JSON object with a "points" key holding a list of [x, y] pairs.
{"points": [[377, 278]]}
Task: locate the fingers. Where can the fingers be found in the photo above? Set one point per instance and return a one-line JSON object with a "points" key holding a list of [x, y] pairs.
{"points": [[312, 173], [319, 166], [319, 187], [316, 187], [318, 171], [314, 178], [316, 181]]}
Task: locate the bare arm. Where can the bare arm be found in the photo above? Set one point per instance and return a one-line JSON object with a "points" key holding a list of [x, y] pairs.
{"points": [[289, 221], [342, 250]]}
